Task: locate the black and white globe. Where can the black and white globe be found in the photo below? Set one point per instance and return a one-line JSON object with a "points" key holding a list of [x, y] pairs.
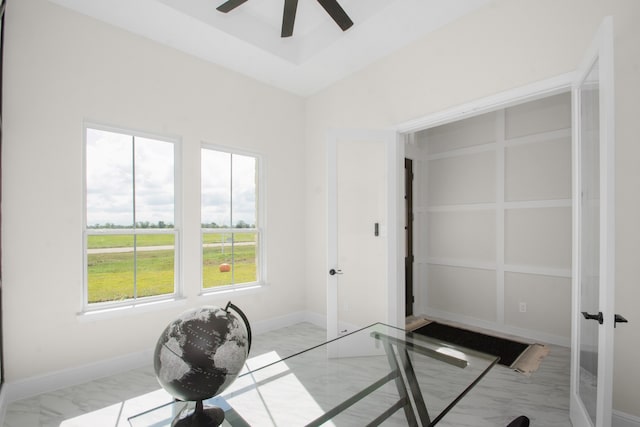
{"points": [[201, 353]]}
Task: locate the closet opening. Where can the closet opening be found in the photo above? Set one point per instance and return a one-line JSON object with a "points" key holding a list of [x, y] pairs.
{"points": [[492, 218]]}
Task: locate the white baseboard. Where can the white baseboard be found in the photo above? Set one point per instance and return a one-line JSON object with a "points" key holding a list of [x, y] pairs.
{"points": [[29, 387], [3, 403], [319, 320], [262, 326], [494, 326], [621, 419]]}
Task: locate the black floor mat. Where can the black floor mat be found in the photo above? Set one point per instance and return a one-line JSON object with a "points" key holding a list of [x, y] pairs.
{"points": [[507, 350]]}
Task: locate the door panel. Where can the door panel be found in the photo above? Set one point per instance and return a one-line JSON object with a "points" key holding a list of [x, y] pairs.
{"points": [[408, 231], [593, 241], [590, 242], [361, 190], [358, 287]]}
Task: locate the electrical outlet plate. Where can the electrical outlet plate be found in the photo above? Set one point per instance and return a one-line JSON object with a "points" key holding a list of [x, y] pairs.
{"points": [[523, 307]]}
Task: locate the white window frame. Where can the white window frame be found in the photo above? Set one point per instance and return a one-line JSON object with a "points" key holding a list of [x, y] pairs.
{"points": [[175, 231], [259, 229]]}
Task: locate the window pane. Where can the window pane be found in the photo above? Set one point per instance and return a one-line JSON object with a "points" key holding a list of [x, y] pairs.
{"points": [[155, 256], [216, 188], [244, 191], [217, 259], [154, 190], [229, 258], [109, 172], [244, 259], [110, 261]]}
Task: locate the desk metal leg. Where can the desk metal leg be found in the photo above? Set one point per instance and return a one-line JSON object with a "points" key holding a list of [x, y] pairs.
{"points": [[418, 400], [415, 405]]}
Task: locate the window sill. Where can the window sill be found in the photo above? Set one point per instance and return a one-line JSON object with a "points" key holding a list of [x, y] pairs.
{"points": [[128, 310], [238, 291]]}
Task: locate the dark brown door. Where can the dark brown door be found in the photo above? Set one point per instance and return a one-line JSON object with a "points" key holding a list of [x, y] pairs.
{"points": [[408, 260], [2, 8]]}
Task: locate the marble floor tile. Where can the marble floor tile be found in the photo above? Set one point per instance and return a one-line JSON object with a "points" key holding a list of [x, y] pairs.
{"points": [[500, 397]]}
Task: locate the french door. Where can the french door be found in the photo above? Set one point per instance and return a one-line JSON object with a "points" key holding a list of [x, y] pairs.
{"points": [[362, 235], [593, 236]]}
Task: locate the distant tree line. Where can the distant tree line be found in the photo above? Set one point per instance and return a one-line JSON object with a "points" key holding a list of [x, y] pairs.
{"points": [[139, 224], [162, 224], [239, 224]]}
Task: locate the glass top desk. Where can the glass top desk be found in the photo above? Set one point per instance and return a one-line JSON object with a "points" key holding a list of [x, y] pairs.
{"points": [[378, 375]]}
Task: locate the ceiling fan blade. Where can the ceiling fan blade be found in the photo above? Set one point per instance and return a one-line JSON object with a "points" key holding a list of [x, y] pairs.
{"points": [[229, 5], [289, 17], [337, 13]]}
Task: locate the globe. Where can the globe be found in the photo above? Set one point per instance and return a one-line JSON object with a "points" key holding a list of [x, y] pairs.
{"points": [[198, 355]]}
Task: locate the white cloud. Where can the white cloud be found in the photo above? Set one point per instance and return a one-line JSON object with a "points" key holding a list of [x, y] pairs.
{"points": [[110, 186], [220, 173]]}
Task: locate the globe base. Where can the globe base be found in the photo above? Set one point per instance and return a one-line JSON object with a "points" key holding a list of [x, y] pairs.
{"points": [[210, 416]]}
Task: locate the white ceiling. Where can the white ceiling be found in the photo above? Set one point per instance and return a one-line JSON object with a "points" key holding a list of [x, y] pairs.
{"points": [[248, 40]]}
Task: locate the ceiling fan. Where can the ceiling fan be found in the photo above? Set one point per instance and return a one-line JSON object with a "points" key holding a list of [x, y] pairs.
{"points": [[289, 16]]}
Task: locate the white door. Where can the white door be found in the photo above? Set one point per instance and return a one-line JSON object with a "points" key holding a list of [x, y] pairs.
{"points": [[593, 236], [362, 235]]}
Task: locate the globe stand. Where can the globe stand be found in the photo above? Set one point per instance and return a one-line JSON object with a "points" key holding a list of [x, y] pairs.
{"points": [[211, 416]]}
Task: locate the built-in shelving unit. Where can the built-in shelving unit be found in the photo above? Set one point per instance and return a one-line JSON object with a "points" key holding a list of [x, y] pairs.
{"points": [[493, 218]]}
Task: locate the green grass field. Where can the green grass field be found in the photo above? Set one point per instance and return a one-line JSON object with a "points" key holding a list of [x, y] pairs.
{"points": [[111, 278], [243, 271], [101, 241]]}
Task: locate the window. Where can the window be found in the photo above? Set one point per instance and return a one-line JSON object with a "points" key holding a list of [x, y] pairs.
{"points": [[230, 217], [130, 234]]}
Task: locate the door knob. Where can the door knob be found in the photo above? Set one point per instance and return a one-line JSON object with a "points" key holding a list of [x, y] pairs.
{"points": [[597, 317], [333, 272], [619, 319]]}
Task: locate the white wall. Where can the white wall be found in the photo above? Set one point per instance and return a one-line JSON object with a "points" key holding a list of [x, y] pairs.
{"points": [[62, 68], [506, 45]]}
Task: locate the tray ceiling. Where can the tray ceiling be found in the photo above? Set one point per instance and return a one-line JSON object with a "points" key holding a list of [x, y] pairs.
{"points": [[248, 40]]}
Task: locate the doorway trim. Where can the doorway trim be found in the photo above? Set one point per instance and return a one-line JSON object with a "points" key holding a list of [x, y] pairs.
{"points": [[530, 92]]}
